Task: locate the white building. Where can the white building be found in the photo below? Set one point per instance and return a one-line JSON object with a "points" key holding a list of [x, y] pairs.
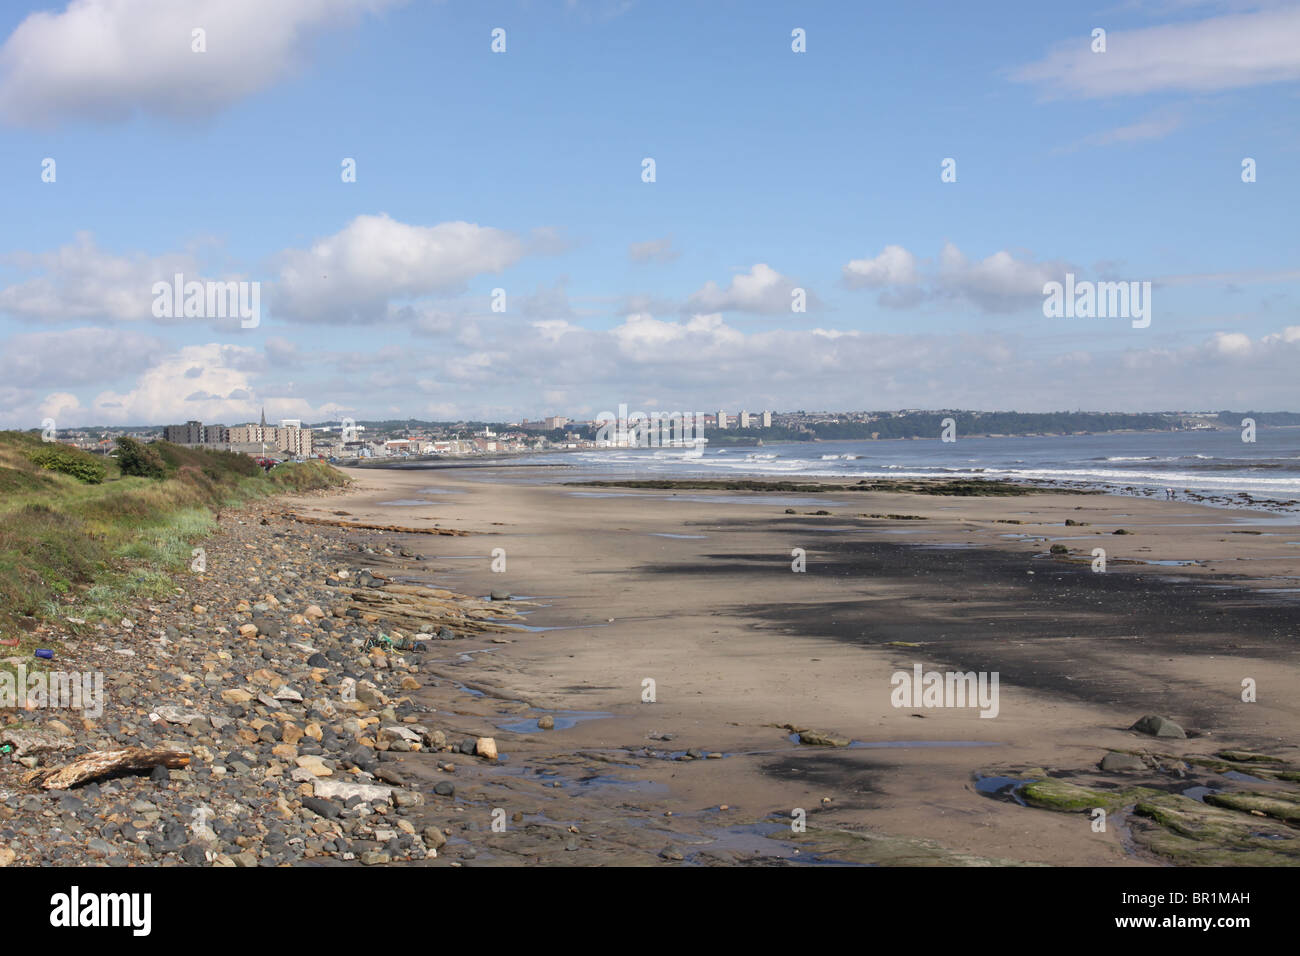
{"points": [[767, 419], [722, 419], [744, 418]]}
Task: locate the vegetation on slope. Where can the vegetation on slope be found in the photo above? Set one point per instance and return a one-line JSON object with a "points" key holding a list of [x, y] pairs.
{"points": [[81, 535]]}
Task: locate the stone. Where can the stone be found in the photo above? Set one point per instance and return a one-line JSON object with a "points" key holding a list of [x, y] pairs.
{"points": [[817, 738], [322, 808], [486, 747], [394, 732], [177, 715], [434, 838], [343, 791], [546, 722], [1157, 726], [30, 742], [315, 765], [1121, 763]]}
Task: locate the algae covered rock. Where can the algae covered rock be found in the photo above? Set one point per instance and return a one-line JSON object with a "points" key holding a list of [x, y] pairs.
{"points": [[1191, 833], [1054, 794], [1278, 804]]}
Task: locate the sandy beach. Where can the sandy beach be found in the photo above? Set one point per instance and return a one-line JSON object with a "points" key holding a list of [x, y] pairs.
{"points": [[678, 651]]}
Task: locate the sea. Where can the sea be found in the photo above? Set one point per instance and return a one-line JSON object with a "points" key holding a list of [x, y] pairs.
{"points": [[1216, 467]]}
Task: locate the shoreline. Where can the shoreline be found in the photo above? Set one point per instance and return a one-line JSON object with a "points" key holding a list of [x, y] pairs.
{"points": [[696, 594], [682, 602]]}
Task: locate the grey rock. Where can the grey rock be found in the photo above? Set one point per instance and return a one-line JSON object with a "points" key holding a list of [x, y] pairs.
{"points": [[1157, 726]]}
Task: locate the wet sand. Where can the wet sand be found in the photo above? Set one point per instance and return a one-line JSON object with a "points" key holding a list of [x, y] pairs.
{"points": [[695, 592]]}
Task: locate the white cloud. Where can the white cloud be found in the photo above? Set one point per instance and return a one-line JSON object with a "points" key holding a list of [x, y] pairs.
{"points": [[1218, 53], [107, 59], [763, 290], [75, 356], [81, 281], [999, 283], [166, 393], [1002, 282], [352, 275], [893, 266]]}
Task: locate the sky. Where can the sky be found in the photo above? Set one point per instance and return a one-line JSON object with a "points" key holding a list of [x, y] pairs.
{"points": [[849, 206]]}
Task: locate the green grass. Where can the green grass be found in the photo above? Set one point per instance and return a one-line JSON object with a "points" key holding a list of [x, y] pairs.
{"points": [[71, 546]]}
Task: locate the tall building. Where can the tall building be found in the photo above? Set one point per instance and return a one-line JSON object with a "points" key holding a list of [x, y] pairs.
{"points": [[191, 433], [744, 418], [767, 419], [722, 419]]}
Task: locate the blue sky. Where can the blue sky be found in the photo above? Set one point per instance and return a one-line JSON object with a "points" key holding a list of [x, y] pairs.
{"points": [[522, 171]]}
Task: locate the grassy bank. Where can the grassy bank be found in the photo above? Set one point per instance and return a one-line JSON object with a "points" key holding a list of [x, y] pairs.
{"points": [[78, 538]]}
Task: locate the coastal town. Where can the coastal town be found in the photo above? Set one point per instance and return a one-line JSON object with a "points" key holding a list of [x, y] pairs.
{"points": [[349, 440]]}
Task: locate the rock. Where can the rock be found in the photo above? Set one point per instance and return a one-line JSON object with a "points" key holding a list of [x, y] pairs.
{"points": [[546, 722], [176, 715], [7, 856], [434, 838], [486, 747], [444, 789], [374, 857], [30, 742], [500, 595], [236, 696], [671, 853], [322, 808], [288, 693], [817, 738], [248, 630], [314, 765], [371, 696], [395, 732], [388, 775], [313, 612], [318, 660], [1157, 726], [1121, 763], [343, 791]]}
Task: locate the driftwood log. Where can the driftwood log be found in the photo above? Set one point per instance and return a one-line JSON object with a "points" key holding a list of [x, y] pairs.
{"points": [[103, 762], [364, 526]]}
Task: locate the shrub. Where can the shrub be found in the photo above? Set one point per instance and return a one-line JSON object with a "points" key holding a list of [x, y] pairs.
{"points": [[137, 459], [69, 461]]}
